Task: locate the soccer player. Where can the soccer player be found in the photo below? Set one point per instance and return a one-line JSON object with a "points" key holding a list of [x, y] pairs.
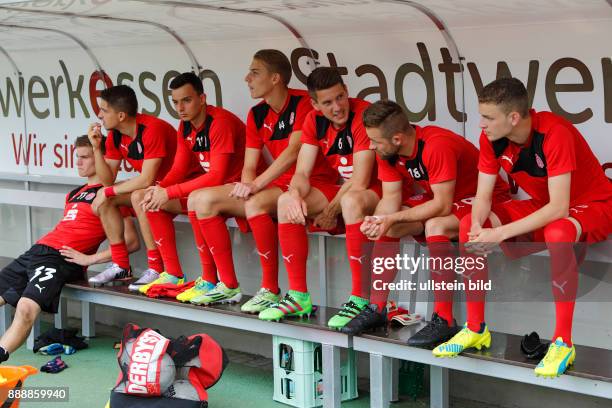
{"points": [[571, 201], [335, 129], [33, 282], [273, 129], [148, 144], [212, 139], [444, 166]]}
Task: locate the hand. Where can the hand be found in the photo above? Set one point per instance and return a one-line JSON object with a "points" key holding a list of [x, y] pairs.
{"points": [[475, 229], [94, 133], [326, 220], [157, 197], [296, 208], [74, 256], [244, 190], [146, 198], [376, 226], [99, 200], [484, 242]]}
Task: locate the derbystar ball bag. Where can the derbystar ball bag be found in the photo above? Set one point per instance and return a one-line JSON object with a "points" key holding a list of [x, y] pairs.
{"points": [[159, 372]]}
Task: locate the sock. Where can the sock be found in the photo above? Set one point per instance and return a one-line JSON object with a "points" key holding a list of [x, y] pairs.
{"points": [[560, 239], [266, 241], [385, 247], [119, 255], [475, 299], [209, 269], [219, 244], [441, 248], [294, 247], [154, 260], [162, 228], [358, 260]]}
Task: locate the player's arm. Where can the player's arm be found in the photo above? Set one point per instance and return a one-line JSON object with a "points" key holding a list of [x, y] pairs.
{"points": [[219, 167], [284, 160], [143, 180], [307, 157], [391, 200], [439, 206], [556, 208], [251, 161], [481, 206], [131, 240], [363, 161]]}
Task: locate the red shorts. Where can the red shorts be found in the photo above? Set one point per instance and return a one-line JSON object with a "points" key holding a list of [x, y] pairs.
{"points": [[595, 218]]}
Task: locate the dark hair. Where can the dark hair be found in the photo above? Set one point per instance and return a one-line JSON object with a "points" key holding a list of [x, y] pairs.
{"points": [[276, 62], [387, 116], [187, 78], [323, 78], [508, 93], [83, 141], [121, 98]]}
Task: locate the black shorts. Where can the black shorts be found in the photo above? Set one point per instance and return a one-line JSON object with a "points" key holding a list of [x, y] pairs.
{"points": [[39, 274]]}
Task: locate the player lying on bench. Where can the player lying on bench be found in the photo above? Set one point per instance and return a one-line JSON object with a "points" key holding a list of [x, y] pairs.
{"points": [[33, 282]]}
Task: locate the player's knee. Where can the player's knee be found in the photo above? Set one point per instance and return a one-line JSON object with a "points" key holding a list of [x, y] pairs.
{"points": [[256, 205], [562, 230], [201, 201], [27, 310], [435, 226], [352, 202], [283, 203]]}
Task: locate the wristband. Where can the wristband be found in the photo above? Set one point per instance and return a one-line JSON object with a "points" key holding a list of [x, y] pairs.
{"points": [[110, 192]]}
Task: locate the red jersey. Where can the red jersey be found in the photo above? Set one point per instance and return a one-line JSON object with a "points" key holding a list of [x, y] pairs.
{"points": [[200, 150], [439, 155], [272, 130], [338, 145], [554, 147], [80, 228], [154, 139]]}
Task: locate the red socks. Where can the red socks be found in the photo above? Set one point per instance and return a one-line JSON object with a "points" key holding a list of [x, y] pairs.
{"points": [[218, 240], [385, 247], [560, 237], [475, 299], [209, 269], [162, 228], [294, 247], [358, 261], [266, 241], [119, 255], [440, 248], [154, 260]]}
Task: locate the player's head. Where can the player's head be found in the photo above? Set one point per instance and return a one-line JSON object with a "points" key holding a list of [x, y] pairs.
{"points": [[85, 163], [117, 104], [502, 105], [387, 125], [329, 94], [188, 95], [269, 69]]}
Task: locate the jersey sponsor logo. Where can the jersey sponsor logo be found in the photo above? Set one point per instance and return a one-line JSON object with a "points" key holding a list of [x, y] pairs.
{"points": [[49, 272], [345, 171], [72, 213], [281, 124], [90, 196], [291, 118]]}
